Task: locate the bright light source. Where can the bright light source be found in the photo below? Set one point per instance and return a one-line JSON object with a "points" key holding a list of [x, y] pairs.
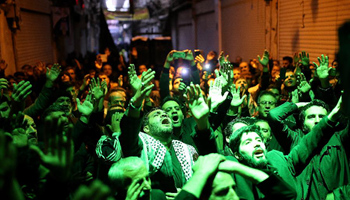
{"points": [[207, 66], [111, 5], [184, 71]]}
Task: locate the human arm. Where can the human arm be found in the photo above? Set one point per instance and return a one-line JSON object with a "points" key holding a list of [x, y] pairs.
{"points": [[312, 143], [57, 157], [269, 184], [283, 134], [205, 167], [131, 122], [43, 100], [164, 77], [20, 92], [9, 186]]}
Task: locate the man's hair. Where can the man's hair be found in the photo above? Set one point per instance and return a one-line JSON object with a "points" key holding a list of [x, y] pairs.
{"points": [[118, 169], [315, 102], [117, 89], [170, 98], [245, 120], [277, 62], [235, 139], [265, 93], [146, 117], [273, 86], [290, 59], [53, 108], [63, 93]]}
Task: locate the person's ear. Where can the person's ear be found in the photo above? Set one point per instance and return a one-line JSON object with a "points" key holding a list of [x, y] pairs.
{"points": [[237, 156], [146, 129]]}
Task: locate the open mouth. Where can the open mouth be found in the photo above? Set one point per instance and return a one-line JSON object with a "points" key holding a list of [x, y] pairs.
{"points": [[259, 153], [175, 119], [165, 121]]}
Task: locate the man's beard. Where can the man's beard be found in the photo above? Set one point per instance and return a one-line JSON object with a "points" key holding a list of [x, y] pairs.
{"points": [[251, 162], [160, 131]]}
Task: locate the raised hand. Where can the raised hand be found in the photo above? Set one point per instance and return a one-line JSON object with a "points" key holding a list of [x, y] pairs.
{"points": [[322, 70], [199, 59], [140, 87], [53, 73], [335, 114], [21, 91], [3, 84], [182, 88], [304, 86], [208, 164], [236, 96], [296, 59], [196, 103], [58, 153], [96, 88], [215, 95], [41, 66], [169, 58], [86, 107], [304, 58], [264, 61], [295, 96], [222, 58], [225, 75]]}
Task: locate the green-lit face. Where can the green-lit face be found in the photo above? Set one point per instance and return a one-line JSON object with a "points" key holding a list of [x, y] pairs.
{"points": [[222, 188], [172, 108], [266, 103], [313, 115]]}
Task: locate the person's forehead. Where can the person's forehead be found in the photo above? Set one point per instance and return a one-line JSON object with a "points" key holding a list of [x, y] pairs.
{"points": [[170, 103], [117, 94], [241, 80], [243, 64], [249, 135], [138, 173], [315, 110], [267, 97], [222, 180], [238, 125], [263, 124], [158, 111], [289, 73]]}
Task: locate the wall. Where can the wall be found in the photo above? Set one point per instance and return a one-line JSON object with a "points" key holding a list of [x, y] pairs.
{"points": [[243, 28], [311, 25], [6, 45]]}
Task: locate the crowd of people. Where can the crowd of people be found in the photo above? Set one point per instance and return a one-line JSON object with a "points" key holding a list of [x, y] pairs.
{"points": [[199, 127]]}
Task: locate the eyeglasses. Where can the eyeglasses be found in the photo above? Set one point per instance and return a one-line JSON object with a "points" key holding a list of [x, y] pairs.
{"points": [[267, 102]]}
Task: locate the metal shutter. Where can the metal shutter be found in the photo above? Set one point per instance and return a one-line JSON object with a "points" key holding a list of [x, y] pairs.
{"points": [[243, 28], [33, 42], [317, 32]]}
